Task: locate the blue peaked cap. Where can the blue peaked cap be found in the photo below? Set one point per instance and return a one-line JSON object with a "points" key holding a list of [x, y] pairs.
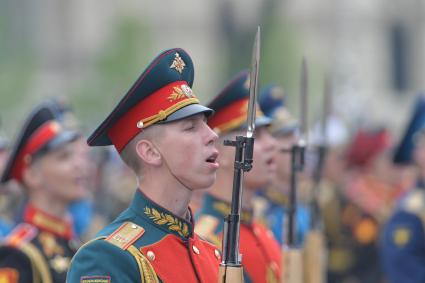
{"points": [[272, 103], [404, 151]]}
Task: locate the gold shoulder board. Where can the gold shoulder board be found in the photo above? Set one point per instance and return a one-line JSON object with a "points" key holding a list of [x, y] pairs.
{"points": [[125, 235]]}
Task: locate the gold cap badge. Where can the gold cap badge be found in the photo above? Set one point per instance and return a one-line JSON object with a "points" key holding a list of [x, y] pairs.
{"points": [[178, 63]]}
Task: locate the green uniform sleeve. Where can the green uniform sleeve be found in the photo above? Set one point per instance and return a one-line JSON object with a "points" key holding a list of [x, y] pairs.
{"points": [[102, 262]]}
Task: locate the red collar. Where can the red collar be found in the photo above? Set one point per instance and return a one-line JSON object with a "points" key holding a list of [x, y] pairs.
{"points": [[44, 221]]}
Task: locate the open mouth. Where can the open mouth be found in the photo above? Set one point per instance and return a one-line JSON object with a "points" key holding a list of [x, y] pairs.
{"points": [[212, 158]]}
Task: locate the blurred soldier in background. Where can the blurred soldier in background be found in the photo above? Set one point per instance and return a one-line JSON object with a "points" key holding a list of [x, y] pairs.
{"points": [[371, 185], [160, 130], [113, 189], [354, 212], [44, 160], [83, 209], [111, 182], [333, 137], [260, 251], [271, 204], [5, 217], [3, 152], [403, 239]]}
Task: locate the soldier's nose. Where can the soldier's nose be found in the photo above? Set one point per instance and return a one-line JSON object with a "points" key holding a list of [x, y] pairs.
{"points": [[271, 142], [212, 136]]}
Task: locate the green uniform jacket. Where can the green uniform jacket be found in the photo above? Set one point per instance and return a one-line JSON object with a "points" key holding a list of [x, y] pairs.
{"points": [[146, 243], [38, 250]]}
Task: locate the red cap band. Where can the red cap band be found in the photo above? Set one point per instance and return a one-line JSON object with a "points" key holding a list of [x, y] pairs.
{"points": [[156, 107], [38, 139], [230, 117]]}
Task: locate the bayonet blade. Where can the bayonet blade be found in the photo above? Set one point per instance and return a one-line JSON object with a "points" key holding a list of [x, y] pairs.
{"points": [[327, 102], [303, 102], [253, 85]]}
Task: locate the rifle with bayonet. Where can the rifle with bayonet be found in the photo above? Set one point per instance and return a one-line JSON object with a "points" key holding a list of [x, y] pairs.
{"points": [[231, 270], [292, 254], [315, 251]]}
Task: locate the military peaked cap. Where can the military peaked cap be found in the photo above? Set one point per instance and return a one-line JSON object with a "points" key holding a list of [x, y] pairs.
{"points": [[272, 103], [403, 153], [40, 134], [231, 106], [161, 94]]}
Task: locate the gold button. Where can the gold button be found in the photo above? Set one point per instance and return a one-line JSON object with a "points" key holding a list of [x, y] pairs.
{"points": [[195, 250], [151, 255], [217, 254], [256, 232], [140, 125]]}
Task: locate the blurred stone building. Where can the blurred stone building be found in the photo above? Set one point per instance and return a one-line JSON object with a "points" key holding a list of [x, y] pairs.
{"points": [[92, 50], [373, 50]]}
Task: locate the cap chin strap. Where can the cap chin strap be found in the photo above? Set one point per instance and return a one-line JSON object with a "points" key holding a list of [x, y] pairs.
{"points": [[169, 168]]}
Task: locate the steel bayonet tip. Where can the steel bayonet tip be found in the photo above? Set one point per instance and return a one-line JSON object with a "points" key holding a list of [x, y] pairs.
{"points": [[327, 104], [304, 100], [253, 84]]}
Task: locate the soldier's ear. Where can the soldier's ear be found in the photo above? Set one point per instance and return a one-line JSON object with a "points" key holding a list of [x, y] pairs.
{"points": [[32, 177], [148, 152]]}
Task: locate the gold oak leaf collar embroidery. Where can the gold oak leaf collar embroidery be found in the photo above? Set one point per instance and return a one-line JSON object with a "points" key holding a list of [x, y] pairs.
{"points": [[165, 219]]}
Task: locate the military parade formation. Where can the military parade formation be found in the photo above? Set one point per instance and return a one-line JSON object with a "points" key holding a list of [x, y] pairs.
{"points": [[235, 190]]}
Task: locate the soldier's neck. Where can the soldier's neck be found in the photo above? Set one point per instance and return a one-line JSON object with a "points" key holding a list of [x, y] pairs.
{"points": [[223, 187], [247, 196], [53, 207], [169, 195], [281, 185], [247, 199]]}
